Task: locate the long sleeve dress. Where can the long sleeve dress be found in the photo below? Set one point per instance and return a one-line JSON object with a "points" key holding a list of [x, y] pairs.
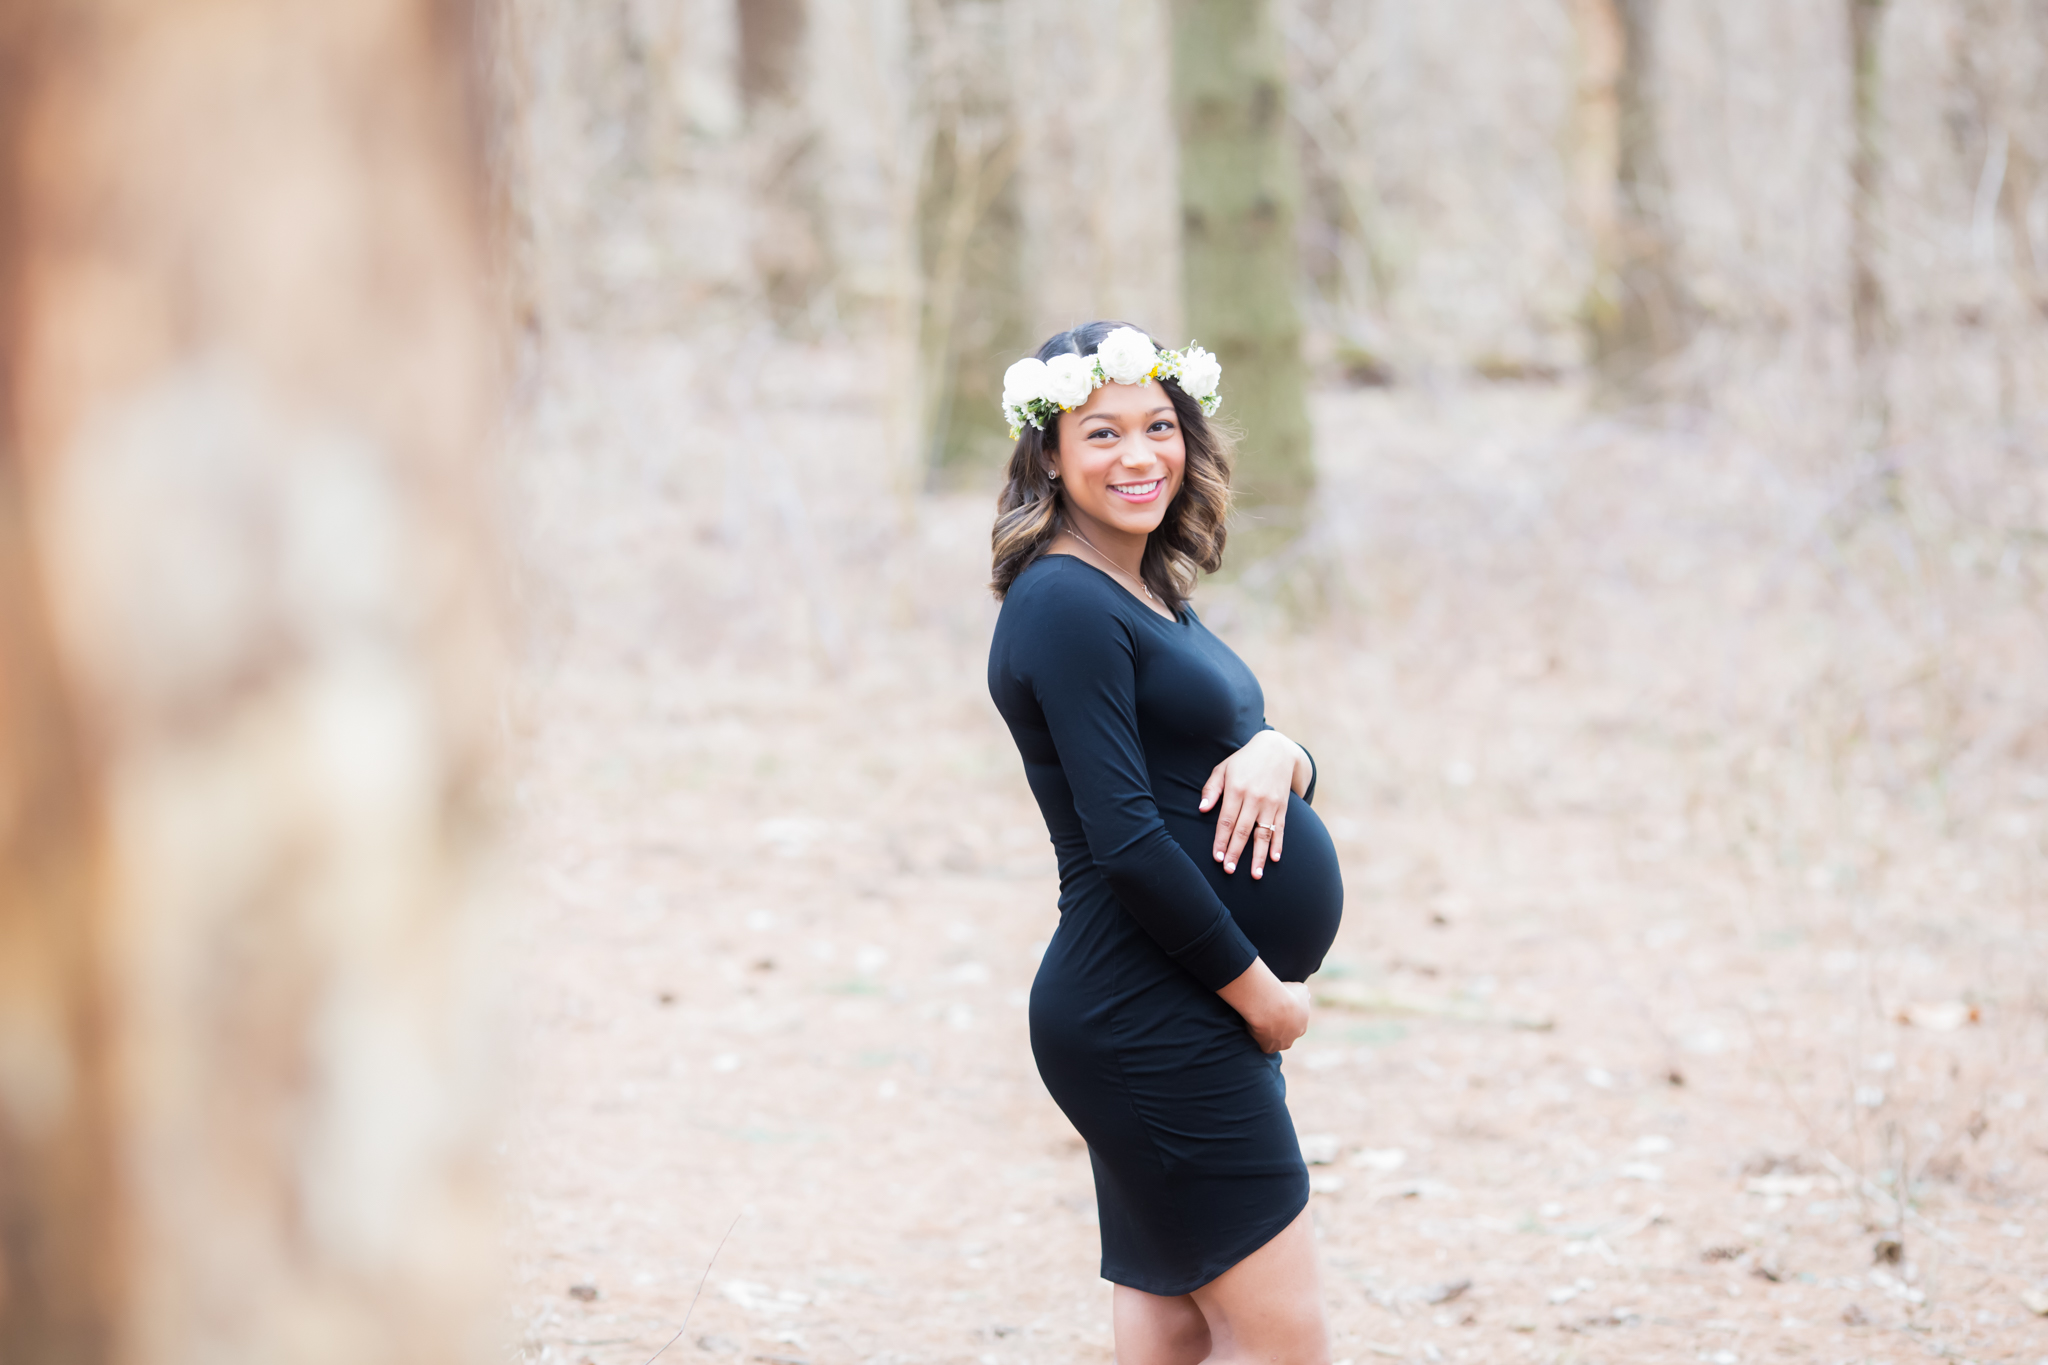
{"points": [[1120, 715]]}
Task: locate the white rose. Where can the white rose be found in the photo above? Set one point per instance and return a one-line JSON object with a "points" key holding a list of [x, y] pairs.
{"points": [[1127, 356], [1024, 382], [1069, 379], [1200, 373]]}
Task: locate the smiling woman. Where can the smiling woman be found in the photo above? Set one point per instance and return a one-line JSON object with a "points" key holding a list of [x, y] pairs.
{"points": [[1081, 376], [1172, 984]]}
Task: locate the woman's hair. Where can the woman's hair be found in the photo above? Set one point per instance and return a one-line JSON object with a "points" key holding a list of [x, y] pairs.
{"points": [[1032, 509]]}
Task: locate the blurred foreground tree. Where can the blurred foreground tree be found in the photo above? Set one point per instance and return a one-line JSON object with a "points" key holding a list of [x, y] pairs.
{"points": [[1639, 313], [245, 684], [1239, 193]]}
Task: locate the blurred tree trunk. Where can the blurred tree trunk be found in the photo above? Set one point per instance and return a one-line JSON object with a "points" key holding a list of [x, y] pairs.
{"points": [[1870, 318], [59, 1266], [1596, 140], [245, 683], [57, 1234], [1101, 228], [2001, 124], [787, 222], [1639, 312], [970, 240], [1239, 193], [771, 50]]}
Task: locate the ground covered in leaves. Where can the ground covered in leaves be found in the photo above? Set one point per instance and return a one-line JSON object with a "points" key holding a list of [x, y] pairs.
{"points": [[1690, 1002]]}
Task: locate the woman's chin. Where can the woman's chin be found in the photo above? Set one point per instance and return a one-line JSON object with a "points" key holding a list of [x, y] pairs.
{"points": [[1136, 519]]}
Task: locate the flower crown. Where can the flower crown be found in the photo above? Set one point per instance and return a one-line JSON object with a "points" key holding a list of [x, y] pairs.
{"points": [[1038, 391]]}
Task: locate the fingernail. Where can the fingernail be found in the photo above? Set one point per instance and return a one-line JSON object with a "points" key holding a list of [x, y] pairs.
{"points": [[1230, 867]]}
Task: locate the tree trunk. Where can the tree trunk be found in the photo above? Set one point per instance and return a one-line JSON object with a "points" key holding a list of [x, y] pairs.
{"points": [[1601, 43], [245, 683], [970, 241], [57, 1229], [1101, 211], [1639, 313], [1870, 318], [1239, 192], [771, 50]]}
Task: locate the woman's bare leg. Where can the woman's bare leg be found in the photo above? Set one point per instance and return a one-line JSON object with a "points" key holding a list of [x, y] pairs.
{"points": [[1153, 1330], [1269, 1306]]}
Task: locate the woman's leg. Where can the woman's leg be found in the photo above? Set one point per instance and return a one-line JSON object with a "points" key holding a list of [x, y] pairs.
{"points": [[1269, 1306], [1153, 1330]]}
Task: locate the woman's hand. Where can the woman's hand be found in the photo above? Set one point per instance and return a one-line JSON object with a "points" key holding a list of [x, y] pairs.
{"points": [[1251, 786], [1275, 1011]]}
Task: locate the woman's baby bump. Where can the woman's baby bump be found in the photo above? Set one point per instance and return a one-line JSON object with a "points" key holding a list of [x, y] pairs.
{"points": [[1291, 913]]}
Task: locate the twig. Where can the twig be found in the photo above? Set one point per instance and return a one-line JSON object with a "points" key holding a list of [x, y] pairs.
{"points": [[687, 1312], [1364, 1001]]}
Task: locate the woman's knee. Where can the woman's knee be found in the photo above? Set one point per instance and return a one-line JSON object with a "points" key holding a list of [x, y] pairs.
{"points": [[1154, 1330], [1269, 1306]]}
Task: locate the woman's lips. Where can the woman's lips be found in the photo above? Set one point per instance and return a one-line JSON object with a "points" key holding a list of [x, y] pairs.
{"points": [[1138, 492]]}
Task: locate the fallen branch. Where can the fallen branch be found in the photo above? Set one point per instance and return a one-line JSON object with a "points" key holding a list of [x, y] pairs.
{"points": [[1360, 1000]]}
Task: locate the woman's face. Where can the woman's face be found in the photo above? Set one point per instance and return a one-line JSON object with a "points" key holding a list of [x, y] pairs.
{"points": [[1121, 456]]}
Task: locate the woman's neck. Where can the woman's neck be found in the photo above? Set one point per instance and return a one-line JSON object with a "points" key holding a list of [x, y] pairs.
{"points": [[1123, 549]]}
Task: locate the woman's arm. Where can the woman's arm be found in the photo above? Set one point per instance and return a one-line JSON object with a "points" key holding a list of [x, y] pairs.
{"points": [[1249, 790], [1080, 662], [1275, 1011]]}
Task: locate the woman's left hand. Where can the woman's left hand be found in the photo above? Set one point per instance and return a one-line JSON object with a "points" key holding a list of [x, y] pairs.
{"points": [[1251, 786]]}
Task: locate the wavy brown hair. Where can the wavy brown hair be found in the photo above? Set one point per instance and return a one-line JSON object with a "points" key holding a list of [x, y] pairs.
{"points": [[1031, 509]]}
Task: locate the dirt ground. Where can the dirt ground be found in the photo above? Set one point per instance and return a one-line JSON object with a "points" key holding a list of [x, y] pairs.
{"points": [[1689, 1003]]}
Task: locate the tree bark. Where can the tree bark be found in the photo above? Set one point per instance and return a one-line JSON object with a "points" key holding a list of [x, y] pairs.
{"points": [[1639, 313], [1870, 317], [1239, 194], [771, 50], [58, 1256], [245, 682], [970, 241]]}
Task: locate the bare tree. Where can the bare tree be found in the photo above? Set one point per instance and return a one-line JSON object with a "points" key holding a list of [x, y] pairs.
{"points": [[1639, 313], [245, 682], [771, 49], [1239, 193], [970, 237], [1998, 119], [1870, 319]]}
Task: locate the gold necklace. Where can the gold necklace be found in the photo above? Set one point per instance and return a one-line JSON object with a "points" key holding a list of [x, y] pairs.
{"points": [[1113, 565]]}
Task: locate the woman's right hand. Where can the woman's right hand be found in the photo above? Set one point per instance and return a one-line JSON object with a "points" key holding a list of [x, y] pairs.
{"points": [[1275, 1011]]}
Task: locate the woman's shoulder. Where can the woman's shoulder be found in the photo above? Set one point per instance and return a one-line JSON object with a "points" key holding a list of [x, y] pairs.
{"points": [[1063, 581], [1065, 593]]}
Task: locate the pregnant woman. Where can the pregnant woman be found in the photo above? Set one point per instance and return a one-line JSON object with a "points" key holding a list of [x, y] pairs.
{"points": [[1173, 982]]}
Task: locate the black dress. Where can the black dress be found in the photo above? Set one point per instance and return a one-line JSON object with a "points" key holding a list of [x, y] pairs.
{"points": [[1120, 715]]}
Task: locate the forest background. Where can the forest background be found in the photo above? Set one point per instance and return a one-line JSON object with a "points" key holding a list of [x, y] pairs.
{"points": [[495, 549]]}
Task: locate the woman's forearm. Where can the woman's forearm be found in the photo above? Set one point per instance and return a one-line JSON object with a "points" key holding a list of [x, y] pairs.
{"points": [[1275, 1011]]}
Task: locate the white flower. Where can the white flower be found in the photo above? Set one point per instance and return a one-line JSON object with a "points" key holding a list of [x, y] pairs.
{"points": [[1127, 356], [1023, 382], [1069, 379], [1200, 373]]}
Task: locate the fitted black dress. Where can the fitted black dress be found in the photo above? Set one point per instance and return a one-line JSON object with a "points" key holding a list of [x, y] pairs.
{"points": [[1120, 715]]}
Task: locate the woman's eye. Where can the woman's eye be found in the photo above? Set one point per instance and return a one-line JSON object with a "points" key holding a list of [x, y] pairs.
{"points": [[1162, 425], [1100, 432]]}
